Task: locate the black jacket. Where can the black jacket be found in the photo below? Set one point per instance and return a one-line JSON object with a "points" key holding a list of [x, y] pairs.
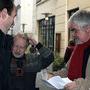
{"points": [[5, 57], [33, 64]]}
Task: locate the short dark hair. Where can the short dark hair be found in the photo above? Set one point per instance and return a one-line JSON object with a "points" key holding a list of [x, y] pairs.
{"points": [[8, 4]]}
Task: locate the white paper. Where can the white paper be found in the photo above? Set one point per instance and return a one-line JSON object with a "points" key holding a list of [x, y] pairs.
{"points": [[58, 82]]}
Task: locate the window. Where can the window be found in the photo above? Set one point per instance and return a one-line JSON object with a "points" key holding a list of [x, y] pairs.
{"points": [[46, 32]]}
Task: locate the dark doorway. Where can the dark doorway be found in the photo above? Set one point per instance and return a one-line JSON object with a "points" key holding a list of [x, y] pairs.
{"points": [[58, 39]]}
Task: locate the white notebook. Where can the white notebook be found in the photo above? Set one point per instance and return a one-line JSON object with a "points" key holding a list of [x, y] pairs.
{"points": [[58, 82]]}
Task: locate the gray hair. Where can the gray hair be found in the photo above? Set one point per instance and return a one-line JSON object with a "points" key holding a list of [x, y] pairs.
{"points": [[80, 18], [22, 36]]}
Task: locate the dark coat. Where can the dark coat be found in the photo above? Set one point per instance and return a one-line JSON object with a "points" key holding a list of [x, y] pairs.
{"points": [[5, 57], [33, 64]]}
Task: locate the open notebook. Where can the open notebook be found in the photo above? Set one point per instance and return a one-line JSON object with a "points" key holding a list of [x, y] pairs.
{"points": [[57, 82]]}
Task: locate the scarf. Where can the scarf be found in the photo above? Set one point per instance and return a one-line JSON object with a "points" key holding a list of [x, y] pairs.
{"points": [[17, 65], [76, 61], [19, 61]]}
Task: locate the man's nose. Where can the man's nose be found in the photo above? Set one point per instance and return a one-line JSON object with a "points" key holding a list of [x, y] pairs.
{"points": [[74, 34], [18, 49]]}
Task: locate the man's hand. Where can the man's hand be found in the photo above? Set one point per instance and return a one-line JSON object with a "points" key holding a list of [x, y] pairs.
{"points": [[70, 86], [32, 41], [50, 74]]}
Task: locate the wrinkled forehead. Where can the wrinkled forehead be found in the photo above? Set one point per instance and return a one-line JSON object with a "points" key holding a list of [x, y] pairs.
{"points": [[19, 42], [73, 26]]}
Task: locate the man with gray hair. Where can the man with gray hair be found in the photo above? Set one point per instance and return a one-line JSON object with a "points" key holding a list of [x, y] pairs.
{"points": [[79, 63]]}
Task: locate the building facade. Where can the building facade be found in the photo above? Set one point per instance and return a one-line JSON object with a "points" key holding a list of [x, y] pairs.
{"points": [[53, 32]]}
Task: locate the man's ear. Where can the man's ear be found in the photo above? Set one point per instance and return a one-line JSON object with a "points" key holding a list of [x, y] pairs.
{"points": [[4, 13]]}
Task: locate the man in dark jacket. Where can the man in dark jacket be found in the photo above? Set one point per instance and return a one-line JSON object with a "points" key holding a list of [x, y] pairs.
{"points": [[7, 14], [25, 67]]}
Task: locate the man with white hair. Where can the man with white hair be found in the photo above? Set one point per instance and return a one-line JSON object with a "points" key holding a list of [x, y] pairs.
{"points": [[79, 63], [25, 67]]}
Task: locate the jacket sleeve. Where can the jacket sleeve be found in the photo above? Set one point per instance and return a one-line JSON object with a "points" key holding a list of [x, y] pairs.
{"points": [[82, 84], [41, 60], [46, 57]]}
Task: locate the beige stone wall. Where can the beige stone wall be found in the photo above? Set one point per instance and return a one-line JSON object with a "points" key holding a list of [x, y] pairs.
{"points": [[45, 7], [60, 23], [82, 4], [72, 4], [57, 8]]}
